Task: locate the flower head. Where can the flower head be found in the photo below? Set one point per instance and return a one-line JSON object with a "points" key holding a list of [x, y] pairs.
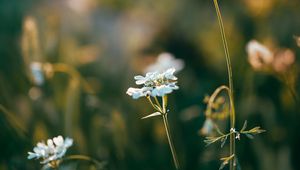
{"points": [[283, 60], [258, 55], [37, 73], [165, 61], [53, 150], [154, 84]]}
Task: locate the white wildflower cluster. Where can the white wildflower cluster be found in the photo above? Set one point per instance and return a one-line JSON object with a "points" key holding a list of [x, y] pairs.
{"points": [[154, 84], [53, 150]]}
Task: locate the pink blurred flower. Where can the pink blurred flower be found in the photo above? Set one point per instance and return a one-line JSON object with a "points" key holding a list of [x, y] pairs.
{"points": [[283, 60]]}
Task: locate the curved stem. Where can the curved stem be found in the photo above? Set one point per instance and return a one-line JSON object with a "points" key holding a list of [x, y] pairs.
{"points": [[213, 97], [230, 80]]}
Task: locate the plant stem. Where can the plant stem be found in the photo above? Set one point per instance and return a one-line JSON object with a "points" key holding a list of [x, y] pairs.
{"points": [[167, 128], [230, 80]]}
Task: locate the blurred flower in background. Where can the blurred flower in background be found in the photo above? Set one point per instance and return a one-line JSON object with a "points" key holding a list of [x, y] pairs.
{"points": [[262, 58], [54, 150], [165, 61], [259, 56]]}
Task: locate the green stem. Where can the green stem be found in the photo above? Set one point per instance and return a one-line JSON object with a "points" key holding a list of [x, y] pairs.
{"points": [[167, 128], [229, 69]]}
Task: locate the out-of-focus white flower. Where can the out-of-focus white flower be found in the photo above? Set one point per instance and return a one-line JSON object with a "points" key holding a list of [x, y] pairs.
{"points": [[165, 61], [52, 151], [207, 127], [297, 38], [37, 73], [258, 55], [283, 60], [154, 84]]}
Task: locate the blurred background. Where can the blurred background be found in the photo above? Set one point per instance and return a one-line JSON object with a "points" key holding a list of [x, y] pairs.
{"points": [[65, 66]]}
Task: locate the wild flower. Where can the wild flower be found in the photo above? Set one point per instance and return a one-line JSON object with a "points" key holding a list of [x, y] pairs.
{"points": [[258, 55], [154, 84], [278, 63], [261, 58], [157, 84], [283, 60], [37, 73], [297, 38], [163, 62], [52, 151]]}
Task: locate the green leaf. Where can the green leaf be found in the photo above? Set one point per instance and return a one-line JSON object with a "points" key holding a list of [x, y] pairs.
{"points": [[152, 115], [249, 136], [223, 140], [244, 126]]}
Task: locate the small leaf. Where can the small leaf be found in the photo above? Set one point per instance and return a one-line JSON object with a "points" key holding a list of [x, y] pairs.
{"points": [[223, 140], [244, 126], [223, 165], [152, 115], [225, 161], [237, 164], [249, 136]]}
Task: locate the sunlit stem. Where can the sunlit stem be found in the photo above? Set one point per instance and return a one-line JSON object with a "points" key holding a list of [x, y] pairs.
{"points": [[168, 132], [158, 108], [157, 102], [228, 63]]}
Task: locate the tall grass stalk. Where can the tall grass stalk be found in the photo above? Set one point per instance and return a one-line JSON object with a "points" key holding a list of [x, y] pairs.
{"points": [[230, 81]]}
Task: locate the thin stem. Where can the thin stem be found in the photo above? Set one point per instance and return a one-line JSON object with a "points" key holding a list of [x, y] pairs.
{"points": [[230, 80], [157, 102], [158, 108], [167, 128]]}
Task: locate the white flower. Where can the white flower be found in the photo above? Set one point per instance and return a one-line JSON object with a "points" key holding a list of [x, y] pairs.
{"points": [[259, 56], [137, 93], [37, 73], [207, 128], [53, 150], [154, 84], [165, 61]]}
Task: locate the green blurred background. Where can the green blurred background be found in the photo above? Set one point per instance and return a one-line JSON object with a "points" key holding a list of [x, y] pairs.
{"points": [[104, 43]]}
